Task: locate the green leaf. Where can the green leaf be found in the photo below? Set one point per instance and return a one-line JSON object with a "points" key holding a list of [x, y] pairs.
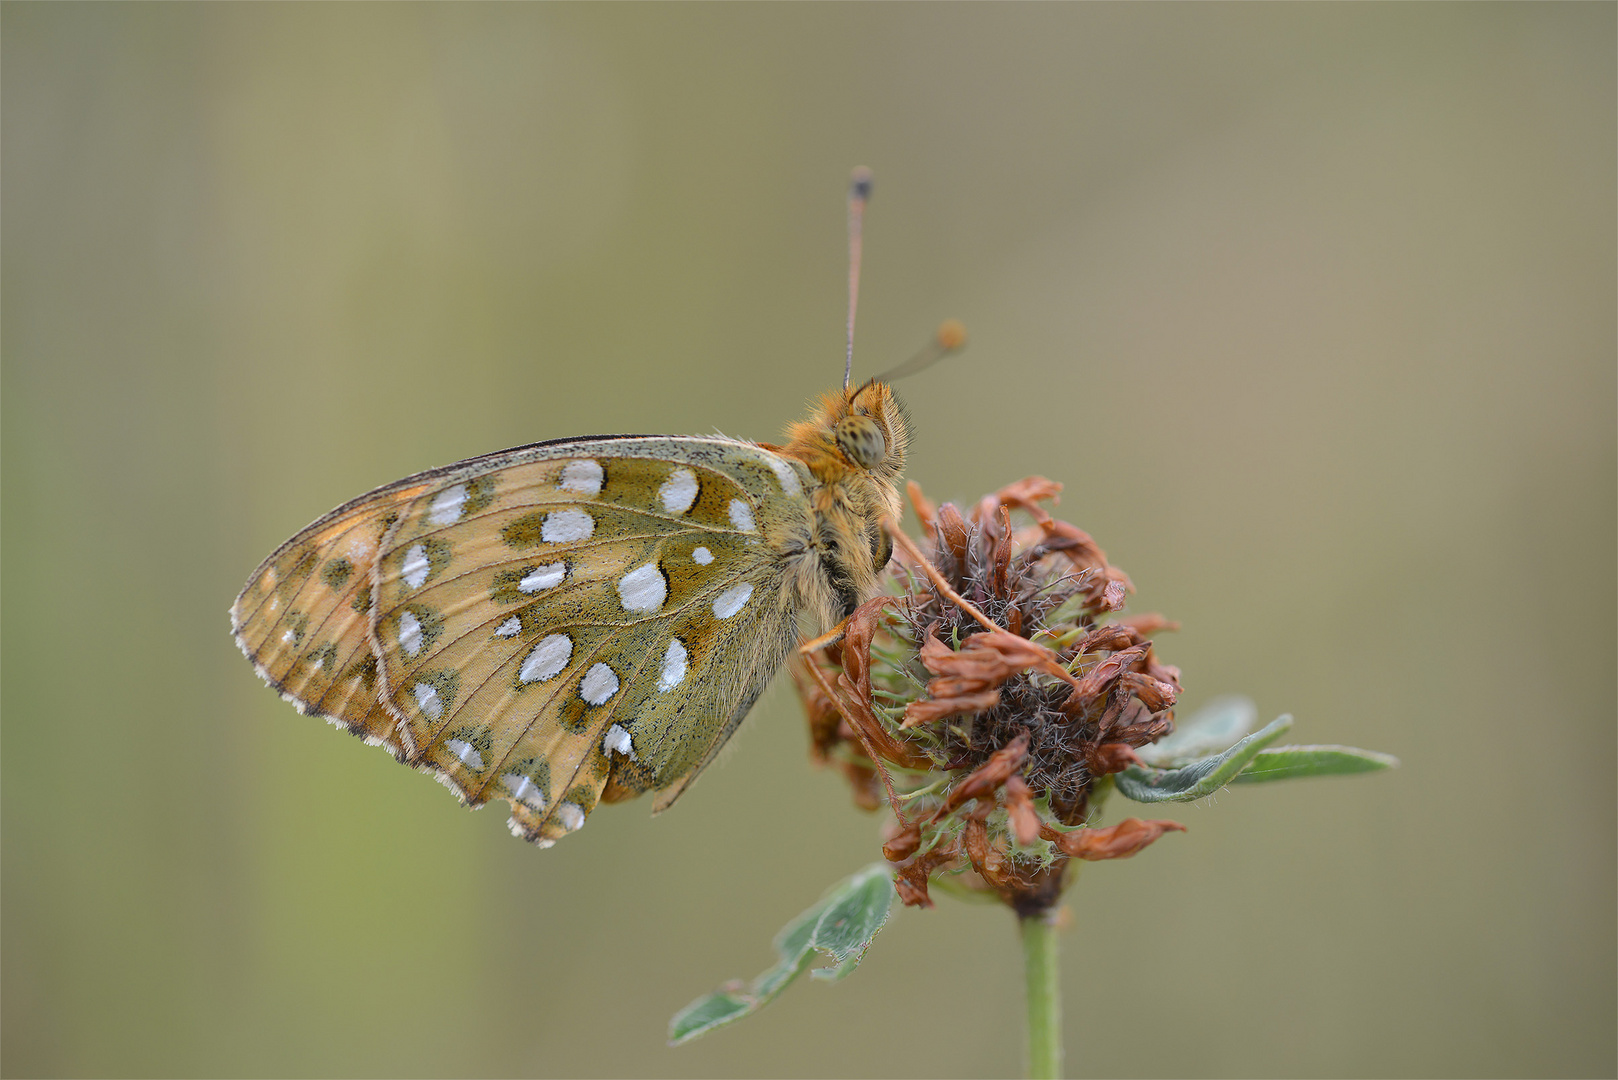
{"points": [[840, 925], [1287, 762], [1203, 777], [707, 1013], [1210, 730], [845, 931]]}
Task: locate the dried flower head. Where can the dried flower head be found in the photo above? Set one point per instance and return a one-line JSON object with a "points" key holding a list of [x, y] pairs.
{"points": [[992, 700], [988, 700]]}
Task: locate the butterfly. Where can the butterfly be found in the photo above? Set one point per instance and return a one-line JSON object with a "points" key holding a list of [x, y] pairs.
{"points": [[583, 620]]}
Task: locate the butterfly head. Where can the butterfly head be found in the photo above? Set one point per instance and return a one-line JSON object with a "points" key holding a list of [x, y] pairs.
{"points": [[860, 434], [854, 443]]}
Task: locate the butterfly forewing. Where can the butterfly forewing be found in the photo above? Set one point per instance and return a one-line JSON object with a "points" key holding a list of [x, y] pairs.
{"points": [[552, 625]]}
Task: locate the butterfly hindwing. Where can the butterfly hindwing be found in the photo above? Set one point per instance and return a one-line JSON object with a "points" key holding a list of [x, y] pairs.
{"points": [[304, 617], [552, 625]]}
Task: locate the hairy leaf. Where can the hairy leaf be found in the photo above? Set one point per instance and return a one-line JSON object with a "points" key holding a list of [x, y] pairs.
{"points": [[1199, 778], [1287, 762], [840, 925]]}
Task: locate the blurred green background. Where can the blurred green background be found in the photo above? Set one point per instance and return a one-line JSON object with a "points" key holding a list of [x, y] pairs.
{"points": [[1311, 307]]}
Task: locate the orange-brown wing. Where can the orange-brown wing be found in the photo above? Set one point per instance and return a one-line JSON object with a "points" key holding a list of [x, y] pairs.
{"points": [[304, 617], [570, 622]]}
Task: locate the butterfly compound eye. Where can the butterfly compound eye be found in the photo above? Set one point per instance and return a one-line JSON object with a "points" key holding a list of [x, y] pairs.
{"points": [[883, 548], [860, 439]]}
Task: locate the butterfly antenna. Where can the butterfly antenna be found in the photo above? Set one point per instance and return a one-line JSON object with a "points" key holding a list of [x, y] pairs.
{"points": [[859, 193], [951, 335]]}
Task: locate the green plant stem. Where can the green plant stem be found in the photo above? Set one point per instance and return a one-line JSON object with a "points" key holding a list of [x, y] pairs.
{"points": [[1043, 977]]}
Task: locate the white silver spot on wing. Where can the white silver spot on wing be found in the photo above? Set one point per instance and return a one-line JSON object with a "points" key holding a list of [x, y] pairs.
{"points": [[673, 673], [703, 556], [643, 589], [548, 659], [618, 740], [466, 752], [409, 634], [741, 516], [583, 477], [599, 684], [415, 568], [679, 491], [427, 700], [510, 628], [784, 473], [731, 600], [289, 635], [523, 789], [565, 526], [445, 509], [571, 815], [543, 577]]}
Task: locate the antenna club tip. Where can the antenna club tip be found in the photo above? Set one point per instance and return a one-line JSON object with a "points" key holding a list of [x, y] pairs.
{"points": [[951, 334], [859, 183]]}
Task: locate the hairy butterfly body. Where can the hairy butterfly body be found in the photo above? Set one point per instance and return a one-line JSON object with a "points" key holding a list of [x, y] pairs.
{"points": [[578, 621]]}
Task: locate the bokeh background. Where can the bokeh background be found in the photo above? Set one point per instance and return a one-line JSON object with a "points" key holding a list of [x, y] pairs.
{"points": [[1311, 308]]}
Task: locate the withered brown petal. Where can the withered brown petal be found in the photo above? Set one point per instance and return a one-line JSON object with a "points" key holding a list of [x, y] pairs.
{"points": [[1020, 808], [912, 891], [986, 510], [934, 709], [1027, 493], [948, 688], [1109, 758], [985, 858], [1146, 731], [1095, 682], [911, 879], [967, 677], [1148, 624], [952, 534], [818, 710], [987, 778], [864, 783], [1074, 543], [859, 630], [935, 655], [1118, 841], [980, 667], [1000, 564], [903, 844], [1162, 672], [859, 714], [1017, 653], [1156, 694], [1114, 638], [926, 512]]}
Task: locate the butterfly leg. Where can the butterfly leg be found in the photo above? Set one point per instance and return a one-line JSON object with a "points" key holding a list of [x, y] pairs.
{"points": [[826, 640]]}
